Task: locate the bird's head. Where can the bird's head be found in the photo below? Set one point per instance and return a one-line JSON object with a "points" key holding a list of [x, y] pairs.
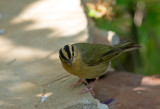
{"points": [[66, 54]]}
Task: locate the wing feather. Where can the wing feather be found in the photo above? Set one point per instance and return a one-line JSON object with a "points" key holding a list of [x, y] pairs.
{"points": [[94, 54]]}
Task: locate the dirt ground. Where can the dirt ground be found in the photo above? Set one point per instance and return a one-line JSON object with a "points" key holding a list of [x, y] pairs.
{"points": [[124, 90]]}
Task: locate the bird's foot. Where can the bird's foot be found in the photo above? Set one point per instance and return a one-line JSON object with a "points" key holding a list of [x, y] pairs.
{"points": [[89, 90], [79, 82]]}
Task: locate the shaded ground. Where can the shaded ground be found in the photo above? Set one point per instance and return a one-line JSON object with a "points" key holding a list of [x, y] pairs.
{"points": [[34, 33]]}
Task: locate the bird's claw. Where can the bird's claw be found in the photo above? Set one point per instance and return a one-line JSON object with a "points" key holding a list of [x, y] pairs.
{"points": [[88, 90], [79, 82]]}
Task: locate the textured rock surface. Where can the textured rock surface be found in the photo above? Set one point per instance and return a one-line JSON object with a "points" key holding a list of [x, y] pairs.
{"points": [[100, 105], [35, 30], [129, 91]]}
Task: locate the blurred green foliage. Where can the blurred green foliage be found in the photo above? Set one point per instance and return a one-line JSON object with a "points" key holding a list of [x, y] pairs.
{"points": [[139, 21]]}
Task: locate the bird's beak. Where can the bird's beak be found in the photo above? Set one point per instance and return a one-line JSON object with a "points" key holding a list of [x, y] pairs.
{"points": [[70, 62]]}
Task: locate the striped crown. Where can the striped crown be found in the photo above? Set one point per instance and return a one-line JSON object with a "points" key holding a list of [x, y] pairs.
{"points": [[66, 53]]}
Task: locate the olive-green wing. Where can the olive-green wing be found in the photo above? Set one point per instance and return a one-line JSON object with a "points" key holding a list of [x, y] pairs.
{"points": [[94, 54], [102, 53]]}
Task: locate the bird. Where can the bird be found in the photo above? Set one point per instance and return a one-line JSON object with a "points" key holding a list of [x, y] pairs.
{"points": [[90, 61]]}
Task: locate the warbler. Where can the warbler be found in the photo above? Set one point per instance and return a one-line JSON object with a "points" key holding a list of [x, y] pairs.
{"points": [[88, 61]]}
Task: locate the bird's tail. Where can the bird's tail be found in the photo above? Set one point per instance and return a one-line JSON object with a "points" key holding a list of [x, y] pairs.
{"points": [[127, 46]]}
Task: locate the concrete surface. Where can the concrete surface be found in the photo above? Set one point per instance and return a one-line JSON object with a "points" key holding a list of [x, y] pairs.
{"points": [[34, 32]]}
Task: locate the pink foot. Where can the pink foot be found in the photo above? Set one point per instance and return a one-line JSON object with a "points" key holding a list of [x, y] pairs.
{"points": [[89, 90], [79, 82]]}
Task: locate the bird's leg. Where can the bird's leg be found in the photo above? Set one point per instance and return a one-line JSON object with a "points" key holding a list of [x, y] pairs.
{"points": [[91, 89], [79, 82]]}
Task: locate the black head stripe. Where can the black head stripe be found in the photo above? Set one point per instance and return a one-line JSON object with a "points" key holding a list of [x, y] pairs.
{"points": [[72, 49], [66, 48], [61, 54]]}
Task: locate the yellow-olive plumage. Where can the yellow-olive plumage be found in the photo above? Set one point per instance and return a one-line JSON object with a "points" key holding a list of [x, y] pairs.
{"points": [[87, 60]]}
